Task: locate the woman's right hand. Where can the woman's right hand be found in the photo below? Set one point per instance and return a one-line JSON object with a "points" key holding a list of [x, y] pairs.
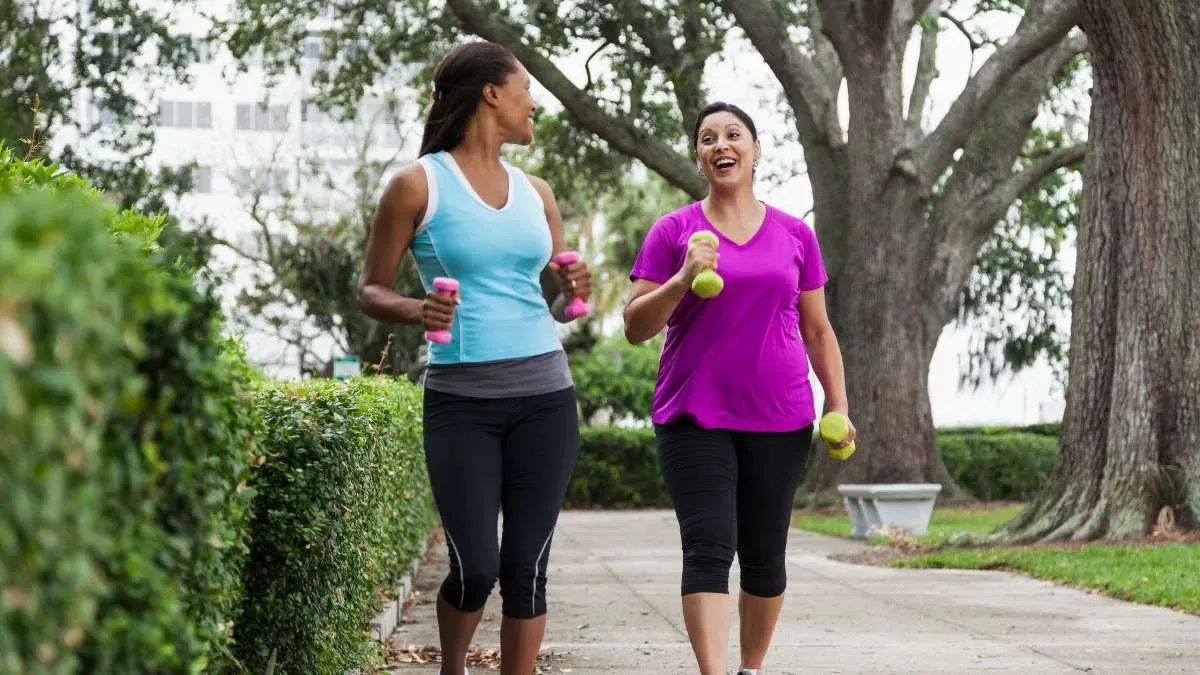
{"points": [[437, 310], [701, 255]]}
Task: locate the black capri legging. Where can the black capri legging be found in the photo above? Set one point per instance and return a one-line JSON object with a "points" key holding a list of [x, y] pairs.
{"points": [[483, 455], [732, 491]]}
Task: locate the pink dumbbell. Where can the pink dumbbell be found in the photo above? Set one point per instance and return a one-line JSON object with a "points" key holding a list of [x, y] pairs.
{"points": [[577, 307], [445, 286]]}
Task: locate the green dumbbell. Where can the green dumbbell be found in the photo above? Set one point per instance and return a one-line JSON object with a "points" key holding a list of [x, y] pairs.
{"points": [[707, 283], [834, 428]]}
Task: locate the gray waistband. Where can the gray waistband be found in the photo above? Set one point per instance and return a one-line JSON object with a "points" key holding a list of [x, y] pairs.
{"points": [[527, 376]]}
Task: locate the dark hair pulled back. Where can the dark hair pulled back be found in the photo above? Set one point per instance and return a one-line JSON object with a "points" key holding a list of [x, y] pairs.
{"points": [[458, 84]]}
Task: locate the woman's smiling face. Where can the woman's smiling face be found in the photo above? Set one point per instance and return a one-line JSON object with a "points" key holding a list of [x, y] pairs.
{"points": [[726, 149]]}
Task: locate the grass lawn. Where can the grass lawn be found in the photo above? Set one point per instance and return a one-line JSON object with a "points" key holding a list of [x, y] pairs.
{"points": [[1163, 574], [944, 523]]}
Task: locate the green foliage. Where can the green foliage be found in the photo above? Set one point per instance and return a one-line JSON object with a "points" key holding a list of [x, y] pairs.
{"points": [[141, 443], [616, 378], [999, 466], [126, 46], [316, 271], [304, 267], [65, 366], [121, 551], [1018, 298], [619, 467], [342, 508]]}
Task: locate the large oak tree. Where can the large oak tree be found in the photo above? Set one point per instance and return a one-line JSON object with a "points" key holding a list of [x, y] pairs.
{"points": [[902, 204], [1130, 455]]}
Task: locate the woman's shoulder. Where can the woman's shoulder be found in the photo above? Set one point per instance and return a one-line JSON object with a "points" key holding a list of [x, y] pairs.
{"points": [[683, 218], [786, 218], [795, 225]]}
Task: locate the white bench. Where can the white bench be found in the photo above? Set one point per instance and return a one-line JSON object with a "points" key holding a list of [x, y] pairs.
{"points": [[873, 506]]}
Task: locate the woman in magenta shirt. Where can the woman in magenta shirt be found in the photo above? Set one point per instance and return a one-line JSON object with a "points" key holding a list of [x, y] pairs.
{"points": [[733, 408]]}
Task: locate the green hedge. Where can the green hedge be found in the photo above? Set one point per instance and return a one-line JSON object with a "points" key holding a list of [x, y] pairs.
{"points": [[999, 466], [126, 425], [134, 451], [342, 508], [618, 467]]}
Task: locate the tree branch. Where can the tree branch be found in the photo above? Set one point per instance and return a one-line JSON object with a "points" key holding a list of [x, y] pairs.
{"points": [[660, 44], [825, 56], [807, 90], [684, 67], [905, 14], [969, 204], [221, 241], [620, 134], [993, 205], [962, 28], [926, 73], [1043, 26]]}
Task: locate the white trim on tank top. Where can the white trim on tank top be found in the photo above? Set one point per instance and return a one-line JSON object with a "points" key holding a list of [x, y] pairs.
{"points": [[466, 184], [431, 181], [432, 202]]}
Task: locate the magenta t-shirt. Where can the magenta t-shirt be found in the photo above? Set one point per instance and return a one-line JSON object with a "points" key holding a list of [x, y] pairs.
{"points": [[736, 361]]}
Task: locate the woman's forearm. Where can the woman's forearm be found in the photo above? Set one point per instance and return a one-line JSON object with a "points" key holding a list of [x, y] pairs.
{"points": [[825, 354], [385, 305], [647, 314]]}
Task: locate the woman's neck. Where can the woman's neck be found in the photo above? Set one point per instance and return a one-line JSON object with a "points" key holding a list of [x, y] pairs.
{"points": [[480, 146], [738, 205]]}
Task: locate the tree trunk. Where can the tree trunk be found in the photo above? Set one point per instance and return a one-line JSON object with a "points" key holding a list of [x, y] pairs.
{"points": [[888, 329], [1131, 433]]}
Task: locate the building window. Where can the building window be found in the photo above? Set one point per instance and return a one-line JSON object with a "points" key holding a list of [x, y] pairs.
{"points": [[202, 180], [251, 117], [185, 114], [314, 48], [262, 181], [104, 115]]}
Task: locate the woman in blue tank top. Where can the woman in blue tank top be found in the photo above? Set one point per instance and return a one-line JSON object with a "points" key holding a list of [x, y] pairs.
{"points": [[501, 430]]}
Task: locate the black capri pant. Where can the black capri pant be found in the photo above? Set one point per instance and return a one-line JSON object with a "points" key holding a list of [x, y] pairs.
{"points": [[732, 491], [484, 455]]}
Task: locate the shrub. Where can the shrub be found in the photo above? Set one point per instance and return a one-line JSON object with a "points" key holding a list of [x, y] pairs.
{"points": [[989, 466], [342, 508], [1047, 429], [616, 377], [619, 467], [128, 431]]}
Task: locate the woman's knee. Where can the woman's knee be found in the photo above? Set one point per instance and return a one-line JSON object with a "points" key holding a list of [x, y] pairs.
{"points": [[706, 566], [523, 586], [766, 576], [470, 581]]}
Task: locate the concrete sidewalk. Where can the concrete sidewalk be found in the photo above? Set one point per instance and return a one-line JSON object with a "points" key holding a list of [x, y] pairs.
{"points": [[614, 608]]}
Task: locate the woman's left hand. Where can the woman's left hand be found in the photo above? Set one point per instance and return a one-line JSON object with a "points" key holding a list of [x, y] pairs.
{"points": [[576, 279], [850, 432]]}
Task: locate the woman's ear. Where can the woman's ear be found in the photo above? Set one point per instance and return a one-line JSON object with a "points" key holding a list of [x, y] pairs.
{"points": [[491, 95]]}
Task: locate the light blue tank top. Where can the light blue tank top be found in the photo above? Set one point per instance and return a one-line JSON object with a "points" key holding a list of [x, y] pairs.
{"points": [[497, 256]]}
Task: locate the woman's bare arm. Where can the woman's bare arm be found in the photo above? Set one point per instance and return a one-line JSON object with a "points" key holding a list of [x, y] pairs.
{"points": [[400, 207], [823, 349]]}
